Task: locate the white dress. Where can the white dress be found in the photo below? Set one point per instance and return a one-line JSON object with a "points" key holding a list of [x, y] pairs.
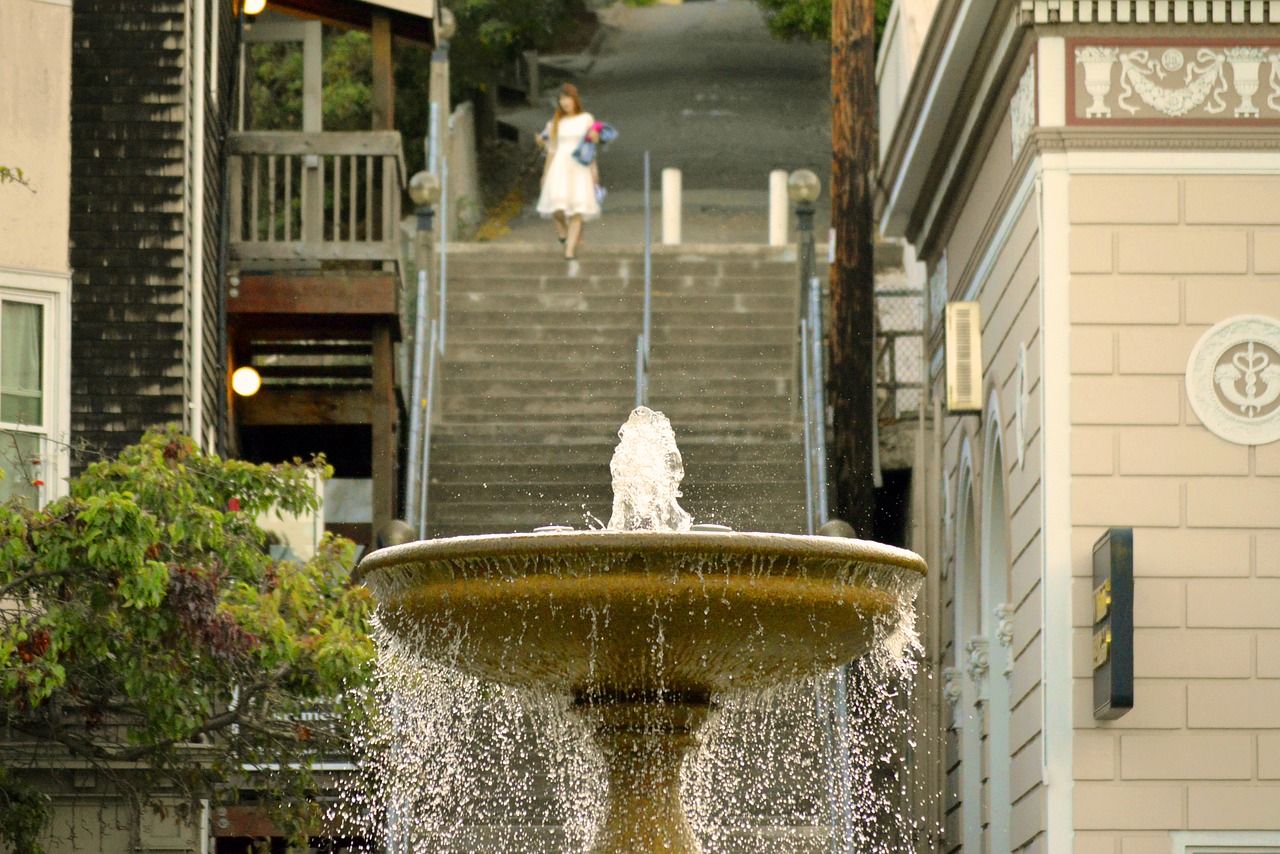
{"points": [[568, 185]]}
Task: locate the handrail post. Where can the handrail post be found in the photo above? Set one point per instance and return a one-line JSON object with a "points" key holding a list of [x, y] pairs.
{"points": [[444, 246]]}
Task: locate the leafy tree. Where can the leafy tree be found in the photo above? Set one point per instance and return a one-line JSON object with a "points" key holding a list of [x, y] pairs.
{"points": [[145, 630], [810, 19]]}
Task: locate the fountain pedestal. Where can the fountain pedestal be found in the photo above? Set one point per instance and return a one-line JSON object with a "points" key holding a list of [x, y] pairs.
{"points": [[644, 745]]}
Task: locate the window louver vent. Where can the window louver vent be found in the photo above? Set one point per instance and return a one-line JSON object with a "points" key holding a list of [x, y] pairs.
{"points": [[964, 358]]}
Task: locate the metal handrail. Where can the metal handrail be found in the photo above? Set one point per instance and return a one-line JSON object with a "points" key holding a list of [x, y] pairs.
{"points": [[644, 339], [426, 380], [813, 405]]}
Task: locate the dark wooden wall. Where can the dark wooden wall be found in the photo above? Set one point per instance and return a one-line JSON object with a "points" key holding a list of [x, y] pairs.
{"points": [[130, 204]]}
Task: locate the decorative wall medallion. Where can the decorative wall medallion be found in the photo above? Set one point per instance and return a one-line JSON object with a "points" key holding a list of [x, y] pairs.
{"points": [[1233, 379], [952, 690], [1022, 108], [1156, 80], [1004, 635]]}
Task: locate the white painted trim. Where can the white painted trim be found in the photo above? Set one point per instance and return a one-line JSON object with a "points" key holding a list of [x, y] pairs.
{"points": [[948, 77], [195, 222], [974, 120], [967, 586], [891, 24], [36, 280], [66, 3], [1225, 841], [995, 593], [996, 246], [1170, 162], [1052, 89], [53, 291], [1055, 523]]}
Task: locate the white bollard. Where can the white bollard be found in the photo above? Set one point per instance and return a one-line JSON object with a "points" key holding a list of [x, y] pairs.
{"points": [[778, 207], [671, 191]]}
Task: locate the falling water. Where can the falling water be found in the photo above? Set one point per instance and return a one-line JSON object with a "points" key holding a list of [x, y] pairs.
{"points": [[450, 763]]}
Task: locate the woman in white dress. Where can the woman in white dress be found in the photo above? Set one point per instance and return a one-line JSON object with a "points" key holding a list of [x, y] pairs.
{"points": [[568, 188]]}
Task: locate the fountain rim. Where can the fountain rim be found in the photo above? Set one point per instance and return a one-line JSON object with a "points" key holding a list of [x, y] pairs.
{"points": [[752, 543]]}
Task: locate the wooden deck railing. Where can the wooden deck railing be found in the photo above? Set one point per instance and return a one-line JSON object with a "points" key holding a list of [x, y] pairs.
{"points": [[315, 196]]}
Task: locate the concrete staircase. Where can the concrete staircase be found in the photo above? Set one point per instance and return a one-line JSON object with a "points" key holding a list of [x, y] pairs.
{"points": [[540, 373]]}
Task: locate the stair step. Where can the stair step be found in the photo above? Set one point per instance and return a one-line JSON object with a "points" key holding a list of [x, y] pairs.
{"points": [[585, 335], [476, 350], [455, 451], [456, 475], [662, 287], [620, 388], [622, 321], [577, 297], [675, 376]]}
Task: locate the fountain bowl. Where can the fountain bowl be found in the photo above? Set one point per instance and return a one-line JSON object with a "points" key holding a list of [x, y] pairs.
{"points": [[623, 614]]}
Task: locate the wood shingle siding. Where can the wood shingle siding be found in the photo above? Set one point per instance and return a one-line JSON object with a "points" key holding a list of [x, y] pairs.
{"points": [[131, 241]]}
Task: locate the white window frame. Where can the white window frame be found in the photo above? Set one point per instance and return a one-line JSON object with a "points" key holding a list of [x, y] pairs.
{"points": [[1226, 841], [52, 292]]}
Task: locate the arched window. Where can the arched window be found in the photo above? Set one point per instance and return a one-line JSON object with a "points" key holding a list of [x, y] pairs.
{"points": [[969, 609], [999, 627]]}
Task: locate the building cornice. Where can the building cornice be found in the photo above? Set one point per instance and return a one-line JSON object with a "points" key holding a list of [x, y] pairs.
{"points": [[940, 77], [1150, 11], [943, 110]]}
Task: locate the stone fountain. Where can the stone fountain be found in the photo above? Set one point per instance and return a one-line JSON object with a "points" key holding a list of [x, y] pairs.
{"points": [[642, 624]]}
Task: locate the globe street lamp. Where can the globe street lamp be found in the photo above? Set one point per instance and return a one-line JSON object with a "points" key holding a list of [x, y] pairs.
{"points": [[803, 188]]}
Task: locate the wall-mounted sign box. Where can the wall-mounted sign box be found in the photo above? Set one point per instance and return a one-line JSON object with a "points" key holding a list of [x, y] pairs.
{"points": [[1113, 624]]}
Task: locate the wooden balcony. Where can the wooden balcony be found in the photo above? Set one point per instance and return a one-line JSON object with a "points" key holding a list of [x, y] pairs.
{"points": [[308, 199], [314, 302]]}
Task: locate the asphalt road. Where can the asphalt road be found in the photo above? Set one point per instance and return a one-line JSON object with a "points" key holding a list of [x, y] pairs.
{"points": [[706, 89]]}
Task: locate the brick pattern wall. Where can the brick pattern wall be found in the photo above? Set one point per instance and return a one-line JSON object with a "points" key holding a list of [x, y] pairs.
{"points": [[1154, 262]]}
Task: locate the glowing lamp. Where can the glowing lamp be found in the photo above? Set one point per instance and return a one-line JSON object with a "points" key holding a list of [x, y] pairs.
{"points": [[253, 7], [246, 381], [803, 186]]}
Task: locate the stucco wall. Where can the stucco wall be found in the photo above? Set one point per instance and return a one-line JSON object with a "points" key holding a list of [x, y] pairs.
{"points": [[35, 128], [1155, 260]]}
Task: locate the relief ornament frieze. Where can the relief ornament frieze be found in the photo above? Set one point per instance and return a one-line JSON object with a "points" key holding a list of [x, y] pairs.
{"points": [[1205, 83]]}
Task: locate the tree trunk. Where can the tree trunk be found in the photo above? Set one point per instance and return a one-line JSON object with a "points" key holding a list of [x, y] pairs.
{"points": [[851, 387]]}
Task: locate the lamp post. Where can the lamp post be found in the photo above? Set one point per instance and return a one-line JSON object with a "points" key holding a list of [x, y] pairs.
{"points": [[803, 188], [438, 95], [424, 190]]}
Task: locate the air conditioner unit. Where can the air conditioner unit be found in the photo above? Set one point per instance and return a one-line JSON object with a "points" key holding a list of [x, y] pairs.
{"points": [[964, 358]]}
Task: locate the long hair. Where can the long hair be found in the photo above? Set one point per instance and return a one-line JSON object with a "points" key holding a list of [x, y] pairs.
{"points": [[572, 91]]}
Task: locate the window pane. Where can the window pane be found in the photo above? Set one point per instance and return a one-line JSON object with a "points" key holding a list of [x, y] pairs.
{"points": [[21, 463], [21, 363]]}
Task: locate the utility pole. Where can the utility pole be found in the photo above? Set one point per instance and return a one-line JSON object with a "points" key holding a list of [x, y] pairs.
{"points": [[851, 383]]}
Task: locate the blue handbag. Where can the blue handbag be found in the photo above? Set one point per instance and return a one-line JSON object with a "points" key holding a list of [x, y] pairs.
{"points": [[587, 150]]}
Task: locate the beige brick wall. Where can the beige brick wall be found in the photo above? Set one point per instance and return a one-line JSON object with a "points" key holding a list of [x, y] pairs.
{"points": [[1155, 260]]}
